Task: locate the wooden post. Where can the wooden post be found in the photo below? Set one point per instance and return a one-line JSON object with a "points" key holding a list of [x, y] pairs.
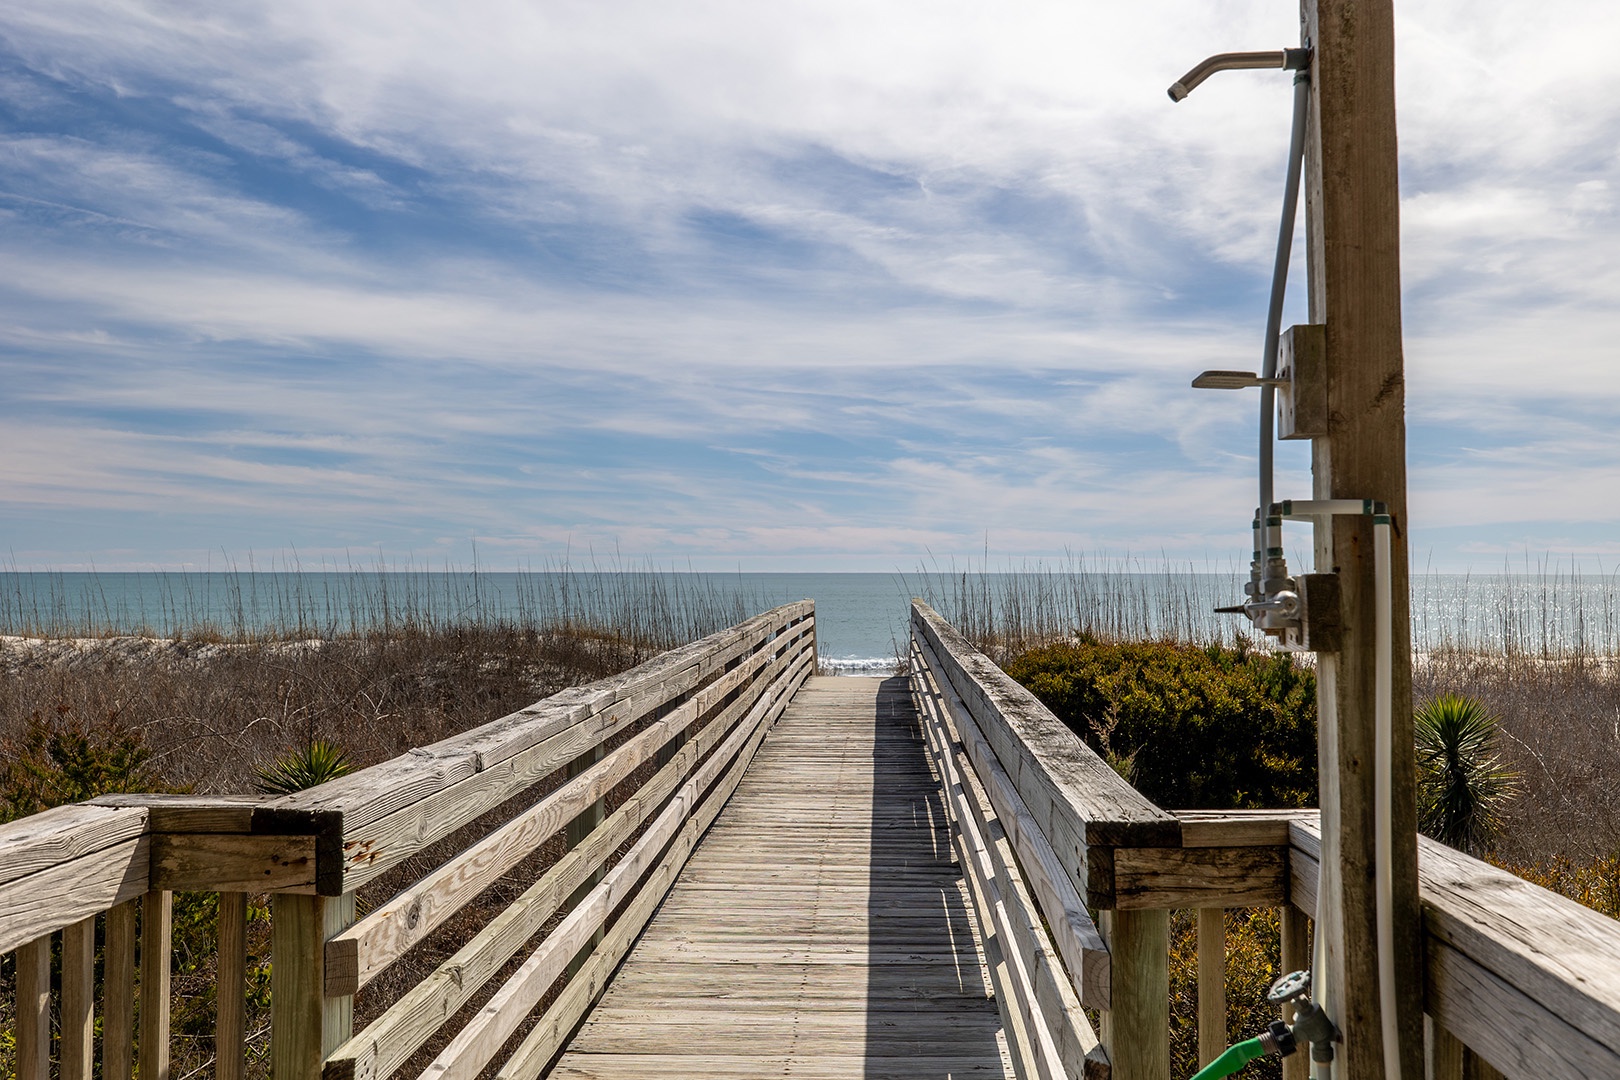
{"points": [[1296, 956], [230, 1027], [118, 995], [157, 948], [78, 1046], [1353, 239], [1211, 984], [305, 1024], [1136, 1030], [34, 1009]]}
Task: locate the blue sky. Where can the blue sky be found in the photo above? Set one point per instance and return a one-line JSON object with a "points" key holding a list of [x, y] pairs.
{"points": [[797, 286]]}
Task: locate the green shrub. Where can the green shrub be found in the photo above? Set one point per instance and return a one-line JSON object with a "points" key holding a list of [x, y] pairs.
{"points": [[1462, 786], [1209, 727], [69, 761], [304, 767]]}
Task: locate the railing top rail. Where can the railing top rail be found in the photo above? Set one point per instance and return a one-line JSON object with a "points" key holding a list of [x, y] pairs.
{"points": [[1107, 811]]}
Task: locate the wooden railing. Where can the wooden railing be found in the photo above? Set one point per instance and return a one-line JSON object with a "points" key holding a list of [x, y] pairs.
{"points": [[1518, 981], [681, 728]]}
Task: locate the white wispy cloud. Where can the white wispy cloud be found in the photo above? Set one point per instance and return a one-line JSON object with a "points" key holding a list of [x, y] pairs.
{"points": [[732, 281]]}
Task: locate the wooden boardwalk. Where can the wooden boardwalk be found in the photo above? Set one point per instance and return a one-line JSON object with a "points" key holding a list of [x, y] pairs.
{"points": [[821, 929]]}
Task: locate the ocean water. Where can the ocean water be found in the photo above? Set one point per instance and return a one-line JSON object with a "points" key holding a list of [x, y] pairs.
{"points": [[861, 618]]}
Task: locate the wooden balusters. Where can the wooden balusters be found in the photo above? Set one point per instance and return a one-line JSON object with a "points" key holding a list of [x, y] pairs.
{"points": [[1211, 984], [77, 1049], [118, 994], [230, 1025], [34, 1009], [1136, 1030], [1296, 956], [157, 947], [305, 1024]]}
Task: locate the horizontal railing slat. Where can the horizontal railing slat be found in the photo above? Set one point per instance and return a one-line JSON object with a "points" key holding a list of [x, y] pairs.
{"points": [[368, 947], [1076, 935], [395, 1035], [1052, 767]]}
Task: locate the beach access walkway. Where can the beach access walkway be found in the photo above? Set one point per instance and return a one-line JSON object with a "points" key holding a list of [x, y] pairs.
{"points": [[822, 928]]}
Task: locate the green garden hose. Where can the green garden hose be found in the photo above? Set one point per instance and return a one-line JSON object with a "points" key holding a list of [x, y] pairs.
{"points": [[1236, 1056]]}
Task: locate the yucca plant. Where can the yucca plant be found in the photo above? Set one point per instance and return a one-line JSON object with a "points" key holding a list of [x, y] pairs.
{"points": [[305, 767], [1462, 786]]}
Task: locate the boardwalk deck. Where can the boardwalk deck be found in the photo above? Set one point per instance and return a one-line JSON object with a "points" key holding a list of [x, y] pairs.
{"points": [[821, 929]]}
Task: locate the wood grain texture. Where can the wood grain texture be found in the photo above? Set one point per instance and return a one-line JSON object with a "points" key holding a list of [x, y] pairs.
{"points": [[157, 952], [232, 862], [587, 984], [376, 941], [807, 928], [118, 1000], [1146, 878], [1211, 984], [372, 849], [192, 813], [297, 1000], [1525, 978], [1136, 1031], [1237, 828], [477, 1042], [1053, 882], [63, 834], [76, 1049], [395, 1035], [230, 1027], [73, 889], [1295, 932], [1354, 273], [372, 794], [1059, 1035], [1060, 778], [34, 1009]]}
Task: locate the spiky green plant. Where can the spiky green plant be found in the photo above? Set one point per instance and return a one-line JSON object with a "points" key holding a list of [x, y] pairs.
{"points": [[1462, 786], [305, 767]]}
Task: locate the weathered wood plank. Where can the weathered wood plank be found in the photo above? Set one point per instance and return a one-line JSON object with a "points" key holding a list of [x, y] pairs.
{"points": [[1147, 878], [230, 862], [1050, 765], [1296, 956], [372, 794], [73, 889], [382, 843], [1055, 885], [191, 813], [1238, 828], [1074, 1048], [230, 1027], [385, 934], [157, 952], [1136, 1031], [118, 994], [77, 1046], [855, 944], [476, 1044], [34, 1009], [542, 1042], [1211, 984], [391, 1039], [62, 834], [297, 1003]]}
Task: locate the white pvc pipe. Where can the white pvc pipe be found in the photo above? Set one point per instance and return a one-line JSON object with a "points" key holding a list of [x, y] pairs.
{"points": [[1383, 802]]}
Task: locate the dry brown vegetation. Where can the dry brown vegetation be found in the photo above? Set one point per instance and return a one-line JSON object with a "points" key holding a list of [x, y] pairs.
{"points": [[1560, 725], [201, 714]]}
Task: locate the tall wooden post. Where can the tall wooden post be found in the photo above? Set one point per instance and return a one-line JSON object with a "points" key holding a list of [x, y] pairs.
{"points": [[1353, 236]]}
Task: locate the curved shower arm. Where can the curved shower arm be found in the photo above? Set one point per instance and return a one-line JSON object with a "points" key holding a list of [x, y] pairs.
{"points": [[1293, 59]]}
